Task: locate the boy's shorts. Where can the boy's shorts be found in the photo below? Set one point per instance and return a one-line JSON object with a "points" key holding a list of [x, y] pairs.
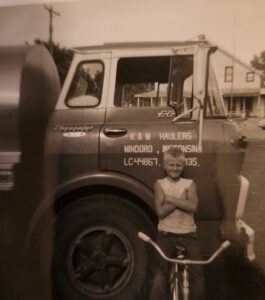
{"points": [[167, 242]]}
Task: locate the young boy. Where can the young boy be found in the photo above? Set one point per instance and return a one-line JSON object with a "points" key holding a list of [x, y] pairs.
{"points": [[176, 200]]}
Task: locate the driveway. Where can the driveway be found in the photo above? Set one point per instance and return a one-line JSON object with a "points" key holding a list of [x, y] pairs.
{"points": [[254, 170]]}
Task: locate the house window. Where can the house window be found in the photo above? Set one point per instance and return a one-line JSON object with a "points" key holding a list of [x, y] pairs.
{"points": [[228, 74], [250, 76]]}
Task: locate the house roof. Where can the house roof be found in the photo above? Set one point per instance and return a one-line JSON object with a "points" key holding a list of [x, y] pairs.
{"points": [[262, 91], [241, 92], [233, 57]]}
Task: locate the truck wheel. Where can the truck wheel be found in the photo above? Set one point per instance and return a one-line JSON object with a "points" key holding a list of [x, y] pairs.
{"points": [[97, 252]]}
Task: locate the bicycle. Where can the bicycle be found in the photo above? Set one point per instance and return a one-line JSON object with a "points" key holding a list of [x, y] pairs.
{"points": [[180, 280]]}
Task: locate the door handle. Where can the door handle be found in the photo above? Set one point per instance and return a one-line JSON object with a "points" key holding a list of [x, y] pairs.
{"points": [[115, 131]]}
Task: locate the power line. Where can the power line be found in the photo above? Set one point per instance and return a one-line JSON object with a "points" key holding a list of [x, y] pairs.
{"points": [[52, 13]]}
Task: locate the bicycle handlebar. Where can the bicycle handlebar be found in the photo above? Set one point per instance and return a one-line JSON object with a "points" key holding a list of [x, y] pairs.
{"points": [[222, 247], [144, 237]]}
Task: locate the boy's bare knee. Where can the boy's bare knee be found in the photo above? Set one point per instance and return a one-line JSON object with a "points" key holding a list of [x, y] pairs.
{"points": [[160, 277], [159, 286]]}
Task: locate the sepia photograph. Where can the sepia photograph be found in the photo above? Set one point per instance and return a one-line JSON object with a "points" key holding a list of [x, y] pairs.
{"points": [[132, 150]]}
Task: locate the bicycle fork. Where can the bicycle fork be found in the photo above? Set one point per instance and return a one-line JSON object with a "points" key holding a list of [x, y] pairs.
{"points": [[185, 282], [180, 289]]}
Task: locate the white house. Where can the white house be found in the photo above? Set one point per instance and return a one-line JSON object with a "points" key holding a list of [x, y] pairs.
{"points": [[242, 87], [240, 84]]}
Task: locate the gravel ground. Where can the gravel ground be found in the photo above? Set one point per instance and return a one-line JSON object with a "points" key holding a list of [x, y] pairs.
{"points": [[254, 171], [234, 278]]}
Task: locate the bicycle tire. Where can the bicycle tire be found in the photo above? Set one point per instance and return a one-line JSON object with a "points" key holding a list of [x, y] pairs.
{"points": [[90, 221]]}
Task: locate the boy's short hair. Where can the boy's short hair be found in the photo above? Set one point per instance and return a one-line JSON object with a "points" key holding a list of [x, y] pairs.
{"points": [[174, 152]]}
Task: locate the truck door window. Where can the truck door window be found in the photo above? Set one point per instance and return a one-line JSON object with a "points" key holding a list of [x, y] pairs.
{"points": [[154, 81], [181, 82], [214, 101], [86, 88]]}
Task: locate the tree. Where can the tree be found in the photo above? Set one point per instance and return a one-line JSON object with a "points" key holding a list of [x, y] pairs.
{"points": [[62, 57], [258, 62]]}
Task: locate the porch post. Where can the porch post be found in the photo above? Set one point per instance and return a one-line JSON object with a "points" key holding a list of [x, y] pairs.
{"points": [[244, 107], [259, 108]]}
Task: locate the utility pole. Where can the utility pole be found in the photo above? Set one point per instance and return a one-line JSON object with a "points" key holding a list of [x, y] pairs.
{"points": [[51, 14]]}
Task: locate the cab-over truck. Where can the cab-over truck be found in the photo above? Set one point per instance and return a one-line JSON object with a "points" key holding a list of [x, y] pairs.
{"points": [[80, 163]]}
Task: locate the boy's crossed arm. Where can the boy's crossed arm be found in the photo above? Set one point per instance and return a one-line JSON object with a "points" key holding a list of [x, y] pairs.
{"points": [[165, 204]]}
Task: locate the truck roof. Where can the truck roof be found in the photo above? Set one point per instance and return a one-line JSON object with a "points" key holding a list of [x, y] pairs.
{"points": [[136, 45]]}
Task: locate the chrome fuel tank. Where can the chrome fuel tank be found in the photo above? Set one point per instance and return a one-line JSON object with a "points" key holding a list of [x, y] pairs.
{"points": [[29, 88]]}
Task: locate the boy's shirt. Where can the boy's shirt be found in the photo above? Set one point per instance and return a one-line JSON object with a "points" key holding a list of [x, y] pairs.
{"points": [[179, 221]]}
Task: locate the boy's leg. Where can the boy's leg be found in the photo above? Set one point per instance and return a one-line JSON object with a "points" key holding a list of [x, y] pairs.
{"points": [[196, 277], [159, 287], [160, 284]]}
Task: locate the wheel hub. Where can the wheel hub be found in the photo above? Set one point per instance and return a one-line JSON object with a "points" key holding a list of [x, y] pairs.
{"points": [[100, 261]]}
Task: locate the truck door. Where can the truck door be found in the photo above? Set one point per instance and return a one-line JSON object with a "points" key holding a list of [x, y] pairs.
{"points": [[80, 112], [149, 93]]}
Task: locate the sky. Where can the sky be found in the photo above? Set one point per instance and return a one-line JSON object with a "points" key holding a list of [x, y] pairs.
{"points": [[235, 25]]}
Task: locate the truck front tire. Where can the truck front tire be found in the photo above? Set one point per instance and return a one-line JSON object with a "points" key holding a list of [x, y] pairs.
{"points": [[97, 252]]}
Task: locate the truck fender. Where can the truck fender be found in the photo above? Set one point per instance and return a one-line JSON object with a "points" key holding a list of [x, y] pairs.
{"points": [[237, 229], [110, 179]]}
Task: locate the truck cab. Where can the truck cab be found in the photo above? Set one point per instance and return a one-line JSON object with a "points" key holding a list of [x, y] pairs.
{"points": [[122, 105]]}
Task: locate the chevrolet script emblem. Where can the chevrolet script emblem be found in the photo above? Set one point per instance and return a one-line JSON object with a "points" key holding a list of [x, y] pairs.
{"points": [[166, 114]]}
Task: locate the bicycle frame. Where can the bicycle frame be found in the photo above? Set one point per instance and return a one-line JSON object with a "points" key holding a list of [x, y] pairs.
{"points": [[185, 282], [185, 262]]}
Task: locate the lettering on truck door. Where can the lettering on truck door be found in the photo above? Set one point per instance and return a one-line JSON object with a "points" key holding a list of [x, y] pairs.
{"points": [[139, 127]]}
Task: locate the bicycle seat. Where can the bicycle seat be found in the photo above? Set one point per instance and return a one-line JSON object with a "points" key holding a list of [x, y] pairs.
{"points": [[179, 252]]}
